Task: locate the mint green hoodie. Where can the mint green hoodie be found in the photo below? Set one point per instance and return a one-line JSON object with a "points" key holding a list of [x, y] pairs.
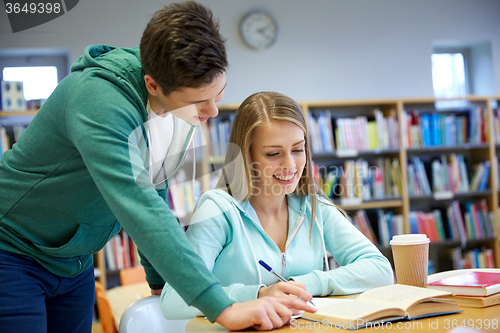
{"points": [[230, 239], [78, 169]]}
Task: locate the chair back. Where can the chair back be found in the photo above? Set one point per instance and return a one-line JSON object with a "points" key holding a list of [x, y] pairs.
{"points": [[104, 312], [132, 275], [145, 316]]}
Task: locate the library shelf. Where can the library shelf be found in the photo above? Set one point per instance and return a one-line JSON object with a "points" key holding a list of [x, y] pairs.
{"points": [[4, 114], [446, 149], [348, 154], [372, 204], [451, 196]]}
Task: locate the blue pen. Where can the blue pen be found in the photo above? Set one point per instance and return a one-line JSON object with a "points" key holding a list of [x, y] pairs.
{"points": [[282, 279]]}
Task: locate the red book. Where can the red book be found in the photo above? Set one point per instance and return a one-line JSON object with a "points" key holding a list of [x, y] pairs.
{"points": [[469, 284]]}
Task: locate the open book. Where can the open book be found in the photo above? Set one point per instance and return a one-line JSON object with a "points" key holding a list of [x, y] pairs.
{"points": [[384, 304]]}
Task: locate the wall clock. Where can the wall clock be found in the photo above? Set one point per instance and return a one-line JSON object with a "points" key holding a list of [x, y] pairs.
{"points": [[259, 30]]}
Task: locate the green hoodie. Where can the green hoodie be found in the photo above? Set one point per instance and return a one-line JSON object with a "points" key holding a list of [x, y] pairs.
{"points": [[78, 169]]}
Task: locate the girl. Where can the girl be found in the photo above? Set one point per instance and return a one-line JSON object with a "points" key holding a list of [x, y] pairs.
{"points": [[269, 207]]}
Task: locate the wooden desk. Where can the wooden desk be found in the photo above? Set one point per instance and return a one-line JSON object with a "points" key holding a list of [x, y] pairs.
{"points": [[475, 317], [121, 297]]}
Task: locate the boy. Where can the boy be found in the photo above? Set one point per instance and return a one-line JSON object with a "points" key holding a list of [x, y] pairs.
{"points": [[80, 172]]}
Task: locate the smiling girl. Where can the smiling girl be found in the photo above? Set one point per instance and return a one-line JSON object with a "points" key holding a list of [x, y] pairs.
{"points": [[269, 207]]}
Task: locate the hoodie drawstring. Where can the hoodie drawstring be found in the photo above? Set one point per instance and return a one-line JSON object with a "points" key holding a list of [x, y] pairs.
{"points": [[195, 198], [249, 243], [325, 254]]}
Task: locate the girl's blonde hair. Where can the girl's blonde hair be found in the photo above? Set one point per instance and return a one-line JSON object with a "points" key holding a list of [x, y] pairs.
{"points": [[257, 110]]}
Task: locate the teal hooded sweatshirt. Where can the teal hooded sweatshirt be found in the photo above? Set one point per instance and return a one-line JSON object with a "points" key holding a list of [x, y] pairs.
{"points": [[82, 165]]}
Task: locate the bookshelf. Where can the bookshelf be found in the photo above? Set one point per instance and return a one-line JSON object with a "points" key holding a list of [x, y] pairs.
{"points": [[456, 155], [12, 123], [404, 204]]}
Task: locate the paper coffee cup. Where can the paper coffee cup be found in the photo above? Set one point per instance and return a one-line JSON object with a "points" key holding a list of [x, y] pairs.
{"points": [[411, 256]]}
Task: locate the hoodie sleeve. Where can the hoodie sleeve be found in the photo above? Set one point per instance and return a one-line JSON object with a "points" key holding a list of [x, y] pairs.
{"points": [[99, 121], [209, 231], [153, 278], [362, 266]]}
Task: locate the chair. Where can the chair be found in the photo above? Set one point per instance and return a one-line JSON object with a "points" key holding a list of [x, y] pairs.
{"points": [[104, 309], [132, 275], [145, 316]]}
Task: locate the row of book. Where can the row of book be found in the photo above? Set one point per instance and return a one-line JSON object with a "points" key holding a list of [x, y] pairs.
{"points": [[445, 129], [5, 140], [388, 224], [496, 125], [377, 132], [358, 179], [218, 129], [476, 222], [121, 252], [474, 258], [448, 175], [181, 198], [473, 221], [451, 175]]}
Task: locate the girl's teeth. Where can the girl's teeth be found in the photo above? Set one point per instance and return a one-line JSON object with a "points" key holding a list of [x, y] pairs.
{"points": [[284, 178]]}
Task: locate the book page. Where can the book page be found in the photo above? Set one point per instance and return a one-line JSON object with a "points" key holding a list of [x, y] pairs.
{"points": [[322, 301], [346, 309], [398, 295]]}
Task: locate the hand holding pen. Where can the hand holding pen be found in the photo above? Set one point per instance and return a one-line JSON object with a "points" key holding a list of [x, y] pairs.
{"points": [[291, 288]]}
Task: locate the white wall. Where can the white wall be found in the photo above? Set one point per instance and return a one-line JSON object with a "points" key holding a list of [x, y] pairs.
{"points": [[327, 49]]}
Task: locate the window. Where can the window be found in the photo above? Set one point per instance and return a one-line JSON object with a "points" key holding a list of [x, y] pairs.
{"points": [[461, 68], [38, 82], [39, 70], [448, 75]]}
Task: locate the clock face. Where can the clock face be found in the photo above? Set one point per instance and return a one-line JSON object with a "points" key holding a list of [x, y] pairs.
{"points": [[259, 30]]}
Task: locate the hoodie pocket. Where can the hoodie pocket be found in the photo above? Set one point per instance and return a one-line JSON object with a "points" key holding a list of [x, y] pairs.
{"points": [[86, 240]]}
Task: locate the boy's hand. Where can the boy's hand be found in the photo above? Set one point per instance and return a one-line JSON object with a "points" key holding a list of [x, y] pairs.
{"points": [[264, 313]]}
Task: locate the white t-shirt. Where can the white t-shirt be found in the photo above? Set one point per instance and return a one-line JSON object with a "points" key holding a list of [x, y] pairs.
{"points": [[160, 133]]}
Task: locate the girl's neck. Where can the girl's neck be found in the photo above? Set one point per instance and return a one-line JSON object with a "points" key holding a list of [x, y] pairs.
{"points": [[273, 217], [268, 205]]}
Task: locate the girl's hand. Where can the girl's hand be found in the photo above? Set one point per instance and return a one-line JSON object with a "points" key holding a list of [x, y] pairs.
{"points": [[283, 289]]}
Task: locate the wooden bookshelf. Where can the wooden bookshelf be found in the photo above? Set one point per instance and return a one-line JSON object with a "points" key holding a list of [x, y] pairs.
{"points": [[5, 114], [472, 152]]}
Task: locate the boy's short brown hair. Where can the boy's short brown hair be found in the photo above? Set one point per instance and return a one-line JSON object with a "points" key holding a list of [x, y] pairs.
{"points": [[182, 47]]}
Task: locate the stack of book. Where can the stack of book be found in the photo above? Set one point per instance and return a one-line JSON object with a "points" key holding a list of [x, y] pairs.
{"points": [[476, 289]]}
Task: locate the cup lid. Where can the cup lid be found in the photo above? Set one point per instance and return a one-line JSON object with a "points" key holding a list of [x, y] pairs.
{"points": [[409, 239]]}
